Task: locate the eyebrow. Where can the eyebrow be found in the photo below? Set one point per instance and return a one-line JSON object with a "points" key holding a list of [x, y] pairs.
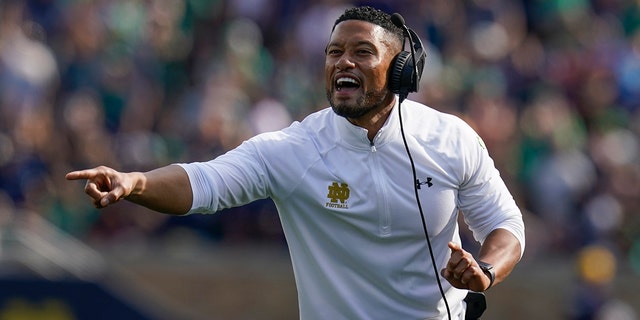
{"points": [[359, 43]]}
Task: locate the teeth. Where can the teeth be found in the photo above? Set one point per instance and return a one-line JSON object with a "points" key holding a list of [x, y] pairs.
{"points": [[342, 80]]}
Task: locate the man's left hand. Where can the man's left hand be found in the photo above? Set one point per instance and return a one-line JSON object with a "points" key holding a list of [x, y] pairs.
{"points": [[463, 272]]}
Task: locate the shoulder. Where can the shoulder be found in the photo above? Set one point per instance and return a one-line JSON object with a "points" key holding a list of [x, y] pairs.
{"points": [[299, 136], [447, 137], [304, 129], [434, 125]]}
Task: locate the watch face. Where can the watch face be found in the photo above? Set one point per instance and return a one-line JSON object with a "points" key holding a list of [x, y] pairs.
{"points": [[485, 266]]}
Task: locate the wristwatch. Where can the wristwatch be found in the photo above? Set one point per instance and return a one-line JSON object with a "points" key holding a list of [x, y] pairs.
{"points": [[488, 269]]}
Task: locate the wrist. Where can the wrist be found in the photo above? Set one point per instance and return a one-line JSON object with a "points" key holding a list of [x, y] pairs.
{"points": [[138, 183], [489, 270]]}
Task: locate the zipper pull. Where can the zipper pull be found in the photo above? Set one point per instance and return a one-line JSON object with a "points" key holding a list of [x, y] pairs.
{"points": [[372, 146]]}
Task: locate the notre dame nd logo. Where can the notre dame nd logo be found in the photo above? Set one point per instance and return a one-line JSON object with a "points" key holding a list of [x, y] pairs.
{"points": [[338, 195]]}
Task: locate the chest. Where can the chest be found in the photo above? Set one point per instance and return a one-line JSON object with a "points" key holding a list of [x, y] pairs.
{"points": [[373, 191]]}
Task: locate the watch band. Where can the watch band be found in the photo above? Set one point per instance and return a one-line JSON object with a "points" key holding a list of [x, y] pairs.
{"points": [[489, 270]]}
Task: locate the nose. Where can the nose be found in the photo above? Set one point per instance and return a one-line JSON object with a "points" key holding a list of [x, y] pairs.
{"points": [[345, 63]]}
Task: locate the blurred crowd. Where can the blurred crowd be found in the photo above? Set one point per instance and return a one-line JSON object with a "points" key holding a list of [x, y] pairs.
{"points": [[553, 87]]}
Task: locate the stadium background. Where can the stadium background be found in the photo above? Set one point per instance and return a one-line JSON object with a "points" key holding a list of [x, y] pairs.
{"points": [[553, 87]]}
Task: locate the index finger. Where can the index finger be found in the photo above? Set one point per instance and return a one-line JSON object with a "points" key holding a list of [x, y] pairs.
{"points": [[81, 174], [456, 255], [454, 246]]}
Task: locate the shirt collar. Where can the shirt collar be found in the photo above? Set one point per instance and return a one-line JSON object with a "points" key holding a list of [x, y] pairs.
{"points": [[357, 136]]}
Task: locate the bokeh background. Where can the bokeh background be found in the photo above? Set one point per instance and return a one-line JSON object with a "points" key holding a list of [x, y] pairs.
{"points": [[553, 87]]}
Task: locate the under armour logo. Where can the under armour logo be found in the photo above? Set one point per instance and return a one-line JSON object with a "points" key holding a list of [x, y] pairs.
{"points": [[420, 183]]}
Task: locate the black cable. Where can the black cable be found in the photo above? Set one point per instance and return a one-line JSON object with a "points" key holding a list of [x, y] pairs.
{"points": [[424, 223]]}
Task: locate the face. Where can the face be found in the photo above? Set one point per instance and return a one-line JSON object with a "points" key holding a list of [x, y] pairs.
{"points": [[356, 67]]}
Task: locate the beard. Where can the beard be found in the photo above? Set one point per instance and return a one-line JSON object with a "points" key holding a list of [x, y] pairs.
{"points": [[371, 100]]}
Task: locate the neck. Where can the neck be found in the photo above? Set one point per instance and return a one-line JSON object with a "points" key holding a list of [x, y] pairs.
{"points": [[375, 119]]}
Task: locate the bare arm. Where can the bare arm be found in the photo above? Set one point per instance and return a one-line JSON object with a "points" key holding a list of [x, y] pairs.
{"points": [[165, 190], [500, 249]]}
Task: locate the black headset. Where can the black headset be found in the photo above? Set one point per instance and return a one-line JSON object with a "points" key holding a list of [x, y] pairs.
{"points": [[404, 77], [406, 68]]}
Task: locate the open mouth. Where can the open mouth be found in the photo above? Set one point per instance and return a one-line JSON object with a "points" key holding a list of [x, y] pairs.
{"points": [[346, 83]]}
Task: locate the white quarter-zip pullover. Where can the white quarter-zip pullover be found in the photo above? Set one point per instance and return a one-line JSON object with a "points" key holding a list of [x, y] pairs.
{"points": [[349, 213]]}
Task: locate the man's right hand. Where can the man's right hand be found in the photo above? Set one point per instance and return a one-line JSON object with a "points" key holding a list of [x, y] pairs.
{"points": [[165, 189], [106, 186]]}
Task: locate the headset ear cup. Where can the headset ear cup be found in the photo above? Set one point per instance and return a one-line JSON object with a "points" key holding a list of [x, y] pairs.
{"points": [[396, 72]]}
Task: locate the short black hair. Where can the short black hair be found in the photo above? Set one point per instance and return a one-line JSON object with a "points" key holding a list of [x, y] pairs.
{"points": [[372, 15]]}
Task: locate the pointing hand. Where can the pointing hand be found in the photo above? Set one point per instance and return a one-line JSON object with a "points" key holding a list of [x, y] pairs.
{"points": [[104, 185]]}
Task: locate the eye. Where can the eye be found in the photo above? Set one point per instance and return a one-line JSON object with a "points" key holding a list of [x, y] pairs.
{"points": [[334, 51]]}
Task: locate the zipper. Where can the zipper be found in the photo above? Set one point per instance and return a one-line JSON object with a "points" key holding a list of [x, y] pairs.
{"points": [[384, 216]]}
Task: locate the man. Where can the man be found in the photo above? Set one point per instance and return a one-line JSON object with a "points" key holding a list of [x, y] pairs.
{"points": [[342, 182]]}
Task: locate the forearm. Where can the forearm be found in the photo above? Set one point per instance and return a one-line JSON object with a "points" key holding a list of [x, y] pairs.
{"points": [[502, 250], [165, 190]]}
